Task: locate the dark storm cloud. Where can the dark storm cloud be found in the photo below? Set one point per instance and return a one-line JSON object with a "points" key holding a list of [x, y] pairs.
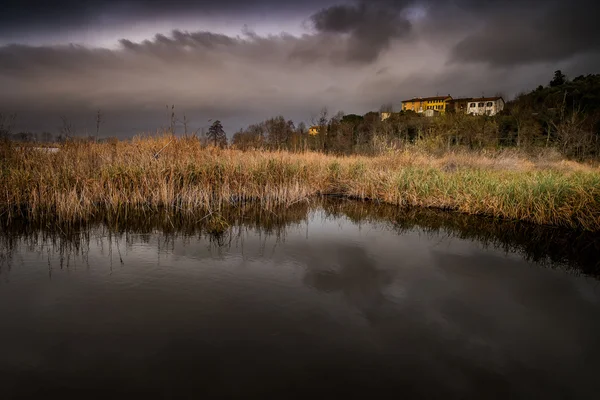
{"points": [[353, 56], [370, 26], [529, 31], [57, 15]]}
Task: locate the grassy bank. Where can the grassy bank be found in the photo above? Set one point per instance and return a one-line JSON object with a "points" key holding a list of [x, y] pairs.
{"points": [[85, 179]]}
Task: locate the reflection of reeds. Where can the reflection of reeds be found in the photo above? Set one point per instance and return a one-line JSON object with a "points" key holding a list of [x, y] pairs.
{"points": [[68, 239], [548, 245], [542, 244], [84, 180]]}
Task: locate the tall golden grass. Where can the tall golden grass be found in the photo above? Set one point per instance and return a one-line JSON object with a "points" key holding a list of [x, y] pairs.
{"points": [[83, 180]]}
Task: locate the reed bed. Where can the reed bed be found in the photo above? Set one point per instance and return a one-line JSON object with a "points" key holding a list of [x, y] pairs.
{"points": [[84, 180]]}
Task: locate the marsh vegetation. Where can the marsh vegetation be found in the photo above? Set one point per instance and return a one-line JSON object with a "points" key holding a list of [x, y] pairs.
{"points": [[86, 179]]}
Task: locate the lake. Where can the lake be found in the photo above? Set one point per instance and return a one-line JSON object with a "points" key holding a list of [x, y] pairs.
{"points": [[334, 298]]}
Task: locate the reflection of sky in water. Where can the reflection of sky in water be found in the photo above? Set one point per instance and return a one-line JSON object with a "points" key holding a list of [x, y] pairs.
{"points": [[445, 309]]}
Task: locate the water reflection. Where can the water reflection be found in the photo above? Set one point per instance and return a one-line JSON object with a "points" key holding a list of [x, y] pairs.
{"points": [[351, 272], [553, 247], [334, 297]]}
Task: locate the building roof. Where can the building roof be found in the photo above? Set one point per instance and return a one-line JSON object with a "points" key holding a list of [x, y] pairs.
{"points": [[427, 98], [461, 99], [494, 98]]}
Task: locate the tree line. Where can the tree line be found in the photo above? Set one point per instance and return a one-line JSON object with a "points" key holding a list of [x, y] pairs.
{"points": [[564, 114]]}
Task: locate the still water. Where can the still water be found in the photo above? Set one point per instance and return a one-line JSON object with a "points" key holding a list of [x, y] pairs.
{"points": [[338, 299]]}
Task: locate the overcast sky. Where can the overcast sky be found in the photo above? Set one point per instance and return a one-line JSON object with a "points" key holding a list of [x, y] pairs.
{"points": [[241, 61]]}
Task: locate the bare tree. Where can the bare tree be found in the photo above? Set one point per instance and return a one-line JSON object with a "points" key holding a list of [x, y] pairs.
{"points": [[98, 123], [321, 121], [302, 133], [66, 128], [171, 117], [7, 123], [278, 131], [46, 137], [185, 125], [575, 136], [323, 117], [251, 138], [386, 108], [520, 115]]}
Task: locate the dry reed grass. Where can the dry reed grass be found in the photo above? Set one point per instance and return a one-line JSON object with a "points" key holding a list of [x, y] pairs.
{"points": [[86, 179]]}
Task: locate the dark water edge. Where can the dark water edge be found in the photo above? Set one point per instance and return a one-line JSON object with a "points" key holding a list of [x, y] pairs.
{"points": [[331, 298], [574, 251]]}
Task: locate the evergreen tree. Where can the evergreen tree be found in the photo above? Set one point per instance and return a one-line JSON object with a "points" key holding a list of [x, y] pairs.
{"points": [[559, 79], [216, 134]]}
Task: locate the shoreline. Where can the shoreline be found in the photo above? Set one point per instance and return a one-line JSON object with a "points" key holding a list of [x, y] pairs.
{"points": [[570, 250]]}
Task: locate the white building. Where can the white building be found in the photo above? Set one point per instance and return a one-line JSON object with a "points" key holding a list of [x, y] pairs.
{"points": [[431, 113], [485, 106]]}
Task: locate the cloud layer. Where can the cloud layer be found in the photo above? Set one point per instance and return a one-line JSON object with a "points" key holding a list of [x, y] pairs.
{"points": [[534, 31], [353, 56]]}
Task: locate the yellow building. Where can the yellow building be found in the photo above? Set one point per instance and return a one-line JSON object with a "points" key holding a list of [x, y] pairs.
{"points": [[422, 104], [314, 130]]}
